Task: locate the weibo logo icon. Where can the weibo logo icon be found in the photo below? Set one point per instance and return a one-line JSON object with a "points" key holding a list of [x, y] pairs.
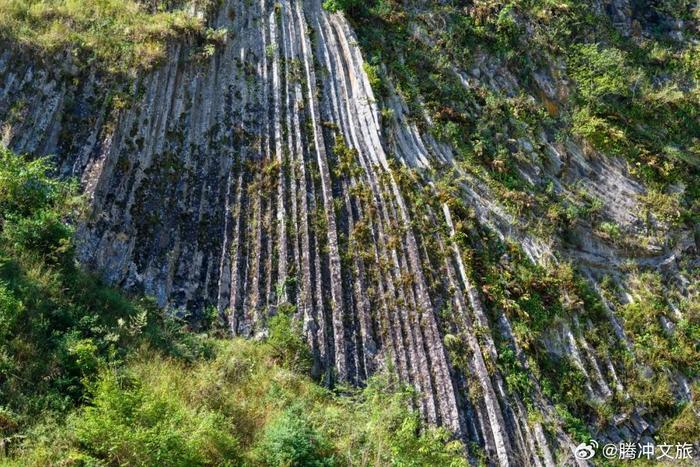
{"points": [[586, 451]]}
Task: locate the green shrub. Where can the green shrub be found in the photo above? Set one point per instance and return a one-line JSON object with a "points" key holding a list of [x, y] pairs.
{"points": [[601, 73], [611, 230], [600, 132], [342, 5], [654, 394], [45, 233], [290, 440], [288, 347], [375, 81], [657, 348], [517, 378], [25, 187], [238, 407]]}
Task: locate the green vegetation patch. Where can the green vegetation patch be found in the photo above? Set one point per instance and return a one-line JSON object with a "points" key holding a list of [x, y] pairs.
{"points": [[119, 36], [89, 376], [632, 97]]}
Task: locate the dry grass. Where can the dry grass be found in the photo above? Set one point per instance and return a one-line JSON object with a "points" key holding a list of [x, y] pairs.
{"points": [[120, 36]]}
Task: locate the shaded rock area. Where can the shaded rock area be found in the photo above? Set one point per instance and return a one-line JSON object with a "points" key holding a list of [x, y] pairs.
{"points": [[264, 176]]}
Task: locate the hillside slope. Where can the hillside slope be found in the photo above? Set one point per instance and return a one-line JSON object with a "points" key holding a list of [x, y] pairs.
{"points": [[89, 376], [498, 200]]}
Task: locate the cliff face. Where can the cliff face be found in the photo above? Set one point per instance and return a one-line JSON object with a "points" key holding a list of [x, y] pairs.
{"points": [[264, 179]]}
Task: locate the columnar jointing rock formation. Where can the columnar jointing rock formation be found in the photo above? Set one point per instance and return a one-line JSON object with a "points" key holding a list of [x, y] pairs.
{"points": [[259, 178]]}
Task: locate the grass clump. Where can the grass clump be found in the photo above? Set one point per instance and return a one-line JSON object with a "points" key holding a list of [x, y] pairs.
{"points": [[130, 422]]}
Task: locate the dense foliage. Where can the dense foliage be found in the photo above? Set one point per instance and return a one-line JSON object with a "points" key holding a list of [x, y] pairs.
{"points": [[88, 376]]}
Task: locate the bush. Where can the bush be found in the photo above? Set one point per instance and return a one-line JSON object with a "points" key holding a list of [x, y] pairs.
{"points": [[25, 187], [342, 5], [289, 348], [600, 132], [44, 233], [290, 440], [686, 424], [601, 74]]}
